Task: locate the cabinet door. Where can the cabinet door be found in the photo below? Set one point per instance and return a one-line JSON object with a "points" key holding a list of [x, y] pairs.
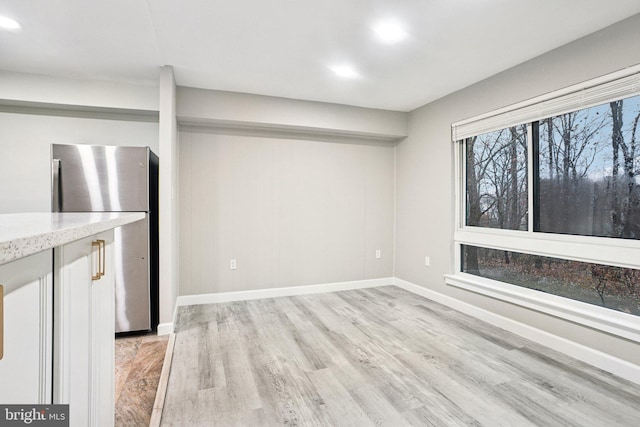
{"points": [[25, 367], [84, 330]]}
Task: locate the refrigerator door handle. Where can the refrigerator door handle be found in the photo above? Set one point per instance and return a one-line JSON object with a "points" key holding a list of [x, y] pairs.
{"points": [[55, 186]]}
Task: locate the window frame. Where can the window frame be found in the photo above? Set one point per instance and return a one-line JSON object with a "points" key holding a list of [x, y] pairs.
{"points": [[599, 250]]}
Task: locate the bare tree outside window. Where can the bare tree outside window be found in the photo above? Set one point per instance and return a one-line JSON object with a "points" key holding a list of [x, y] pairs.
{"points": [[589, 166], [616, 288], [497, 179]]}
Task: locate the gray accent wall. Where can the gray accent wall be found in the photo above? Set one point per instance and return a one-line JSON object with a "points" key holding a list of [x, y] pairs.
{"points": [[290, 211], [424, 160]]}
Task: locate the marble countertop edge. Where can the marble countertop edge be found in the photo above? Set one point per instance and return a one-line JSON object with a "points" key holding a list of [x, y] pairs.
{"points": [[24, 234]]}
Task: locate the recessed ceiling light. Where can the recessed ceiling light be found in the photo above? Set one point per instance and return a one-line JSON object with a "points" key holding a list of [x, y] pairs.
{"points": [[345, 71], [9, 24], [390, 31]]}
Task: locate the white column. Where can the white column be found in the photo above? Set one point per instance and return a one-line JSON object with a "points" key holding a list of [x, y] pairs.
{"points": [[168, 199]]}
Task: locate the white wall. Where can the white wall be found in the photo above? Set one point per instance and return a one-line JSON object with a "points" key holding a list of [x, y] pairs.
{"points": [[424, 169], [33, 88], [268, 112], [25, 139], [290, 211]]}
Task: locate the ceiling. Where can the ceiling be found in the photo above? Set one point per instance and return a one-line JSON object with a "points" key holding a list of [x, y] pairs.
{"points": [[285, 47]]}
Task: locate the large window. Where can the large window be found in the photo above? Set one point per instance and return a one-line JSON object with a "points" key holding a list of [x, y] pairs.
{"points": [[550, 199]]}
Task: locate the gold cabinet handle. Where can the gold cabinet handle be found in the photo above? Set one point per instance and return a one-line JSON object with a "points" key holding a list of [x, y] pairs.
{"points": [[94, 245], [101, 245], [103, 250]]}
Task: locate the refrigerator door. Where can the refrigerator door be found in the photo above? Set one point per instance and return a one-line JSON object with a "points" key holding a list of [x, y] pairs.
{"points": [[100, 178], [131, 259]]}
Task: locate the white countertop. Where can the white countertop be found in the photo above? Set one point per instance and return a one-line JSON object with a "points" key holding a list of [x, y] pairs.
{"points": [[23, 234]]}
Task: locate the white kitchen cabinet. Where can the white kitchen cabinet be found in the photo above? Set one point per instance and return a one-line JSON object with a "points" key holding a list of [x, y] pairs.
{"points": [[84, 329], [58, 311], [25, 367]]}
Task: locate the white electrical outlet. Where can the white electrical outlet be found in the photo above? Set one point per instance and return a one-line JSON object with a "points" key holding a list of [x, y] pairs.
{"points": [[427, 261], [232, 264], [378, 254]]}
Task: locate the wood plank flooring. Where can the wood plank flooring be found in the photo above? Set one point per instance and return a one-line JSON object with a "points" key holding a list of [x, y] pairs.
{"points": [[139, 360], [376, 357]]}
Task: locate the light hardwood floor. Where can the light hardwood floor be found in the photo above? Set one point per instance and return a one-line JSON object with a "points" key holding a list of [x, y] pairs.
{"points": [[376, 357]]}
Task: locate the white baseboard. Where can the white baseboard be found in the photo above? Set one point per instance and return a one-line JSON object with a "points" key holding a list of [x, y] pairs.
{"points": [[168, 327], [165, 328], [281, 292], [596, 358]]}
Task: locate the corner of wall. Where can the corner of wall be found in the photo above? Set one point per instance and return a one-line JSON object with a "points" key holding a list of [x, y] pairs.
{"points": [[168, 227]]}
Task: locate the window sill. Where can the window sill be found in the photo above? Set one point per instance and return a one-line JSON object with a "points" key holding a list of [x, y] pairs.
{"points": [[617, 323]]}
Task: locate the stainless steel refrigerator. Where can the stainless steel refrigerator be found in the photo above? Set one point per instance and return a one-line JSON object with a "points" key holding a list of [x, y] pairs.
{"points": [[90, 178]]}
